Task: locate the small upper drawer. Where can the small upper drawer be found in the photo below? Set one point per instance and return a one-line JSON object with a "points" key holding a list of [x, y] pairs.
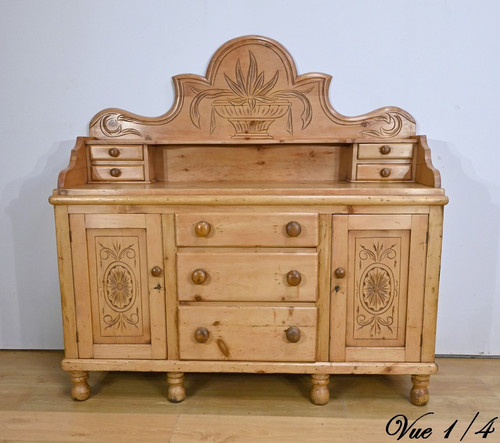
{"points": [[236, 274], [376, 151], [116, 152], [247, 229], [384, 171], [117, 173], [247, 333]]}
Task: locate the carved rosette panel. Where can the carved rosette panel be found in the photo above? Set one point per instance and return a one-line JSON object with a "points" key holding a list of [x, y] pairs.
{"points": [[119, 286], [377, 286]]}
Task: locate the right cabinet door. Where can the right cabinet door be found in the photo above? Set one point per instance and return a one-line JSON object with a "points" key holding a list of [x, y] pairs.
{"points": [[378, 277]]}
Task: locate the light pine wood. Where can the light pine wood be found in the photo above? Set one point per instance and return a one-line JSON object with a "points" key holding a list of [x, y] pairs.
{"points": [[65, 266], [251, 228], [247, 229], [265, 269], [247, 333], [116, 152], [379, 151]]}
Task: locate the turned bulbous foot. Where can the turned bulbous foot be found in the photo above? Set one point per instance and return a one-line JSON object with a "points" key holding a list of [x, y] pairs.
{"points": [[81, 389], [320, 393], [419, 394], [176, 391]]}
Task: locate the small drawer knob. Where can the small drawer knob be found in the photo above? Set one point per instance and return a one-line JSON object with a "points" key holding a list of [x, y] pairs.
{"points": [[386, 172], [202, 228], [199, 276], [201, 335], [340, 272], [156, 271], [384, 150], [114, 152], [115, 172], [293, 334], [293, 229], [293, 278]]}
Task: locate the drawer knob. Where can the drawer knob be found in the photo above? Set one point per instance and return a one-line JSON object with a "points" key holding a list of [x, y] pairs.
{"points": [[202, 229], [114, 152], [199, 276], [201, 335], [384, 150], [115, 172], [386, 172], [293, 229], [340, 272], [293, 334], [293, 278], [156, 271]]}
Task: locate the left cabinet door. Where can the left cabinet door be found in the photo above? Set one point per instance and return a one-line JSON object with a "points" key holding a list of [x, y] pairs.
{"points": [[119, 285]]}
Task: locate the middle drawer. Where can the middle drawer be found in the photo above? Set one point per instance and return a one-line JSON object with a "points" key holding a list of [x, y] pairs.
{"points": [[247, 275]]}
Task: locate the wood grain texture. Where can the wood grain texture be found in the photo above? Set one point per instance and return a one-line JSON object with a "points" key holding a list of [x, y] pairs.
{"points": [[252, 92]]}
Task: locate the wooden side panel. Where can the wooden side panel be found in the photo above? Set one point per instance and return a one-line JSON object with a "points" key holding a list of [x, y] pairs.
{"points": [[247, 275], [247, 333]]}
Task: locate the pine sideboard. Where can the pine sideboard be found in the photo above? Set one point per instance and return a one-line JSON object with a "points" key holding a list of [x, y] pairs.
{"points": [[251, 228]]}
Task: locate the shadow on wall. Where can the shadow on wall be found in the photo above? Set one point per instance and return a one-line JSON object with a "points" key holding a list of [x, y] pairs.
{"points": [[32, 318], [469, 265]]}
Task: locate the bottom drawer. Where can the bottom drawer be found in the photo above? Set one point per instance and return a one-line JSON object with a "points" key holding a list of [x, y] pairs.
{"points": [[247, 333], [384, 171]]}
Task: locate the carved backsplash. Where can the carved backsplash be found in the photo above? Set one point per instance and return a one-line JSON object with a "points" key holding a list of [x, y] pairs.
{"points": [[252, 92]]}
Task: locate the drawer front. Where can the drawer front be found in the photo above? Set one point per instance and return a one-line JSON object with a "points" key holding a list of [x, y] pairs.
{"points": [[379, 151], [249, 275], [116, 152], [117, 173], [384, 171], [247, 333], [241, 229]]}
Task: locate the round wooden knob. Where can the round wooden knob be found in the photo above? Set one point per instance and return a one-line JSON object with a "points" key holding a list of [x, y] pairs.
{"points": [[340, 272], [156, 271], [199, 276], [293, 278], [202, 228], [201, 335], [114, 152], [384, 150], [293, 334], [386, 172], [115, 172], [293, 229]]}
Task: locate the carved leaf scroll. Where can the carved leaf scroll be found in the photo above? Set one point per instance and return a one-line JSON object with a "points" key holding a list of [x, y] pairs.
{"points": [[252, 91]]}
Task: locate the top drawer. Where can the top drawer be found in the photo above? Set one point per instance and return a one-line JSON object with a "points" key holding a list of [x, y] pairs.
{"points": [[247, 229], [378, 151], [116, 152]]}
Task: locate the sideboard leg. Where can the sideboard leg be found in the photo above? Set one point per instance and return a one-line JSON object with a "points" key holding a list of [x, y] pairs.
{"points": [[320, 393], [81, 389], [176, 391], [419, 394]]}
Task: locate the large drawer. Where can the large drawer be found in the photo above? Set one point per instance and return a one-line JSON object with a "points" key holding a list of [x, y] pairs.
{"points": [[247, 274], [247, 333], [247, 229]]}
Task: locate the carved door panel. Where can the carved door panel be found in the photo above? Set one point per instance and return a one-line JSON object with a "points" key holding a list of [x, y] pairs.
{"points": [[119, 285], [377, 302]]}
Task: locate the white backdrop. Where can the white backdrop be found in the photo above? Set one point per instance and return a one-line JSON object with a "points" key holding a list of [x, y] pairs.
{"points": [[63, 61]]}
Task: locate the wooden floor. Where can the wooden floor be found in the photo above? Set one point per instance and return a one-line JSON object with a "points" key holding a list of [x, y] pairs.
{"points": [[35, 405]]}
